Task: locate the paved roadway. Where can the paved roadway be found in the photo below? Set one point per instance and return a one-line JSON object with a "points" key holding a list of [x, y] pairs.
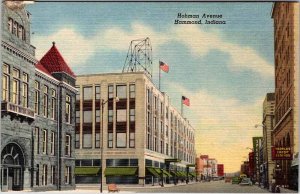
{"points": [[201, 187]]}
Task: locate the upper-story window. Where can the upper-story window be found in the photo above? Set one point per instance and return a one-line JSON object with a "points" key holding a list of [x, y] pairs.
{"points": [[110, 91], [10, 25], [132, 115], [45, 101], [25, 90], [131, 91], [44, 148], [16, 86], [52, 143], [21, 32], [5, 82], [97, 92], [68, 145], [37, 97], [87, 116], [68, 109], [53, 103], [121, 92], [87, 93], [16, 29]]}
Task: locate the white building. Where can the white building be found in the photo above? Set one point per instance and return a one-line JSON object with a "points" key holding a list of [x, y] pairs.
{"points": [[141, 130]]}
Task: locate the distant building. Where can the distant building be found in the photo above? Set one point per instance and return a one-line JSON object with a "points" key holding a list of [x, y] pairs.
{"points": [[268, 123], [220, 170], [37, 106], [286, 52], [245, 168], [214, 167], [199, 167], [142, 130]]}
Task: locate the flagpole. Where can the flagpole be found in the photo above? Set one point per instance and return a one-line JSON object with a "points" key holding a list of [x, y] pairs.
{"points": [[181, 107], [159, 75]]}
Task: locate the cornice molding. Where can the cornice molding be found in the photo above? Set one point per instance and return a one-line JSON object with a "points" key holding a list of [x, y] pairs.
{"points": [[19, 53]]}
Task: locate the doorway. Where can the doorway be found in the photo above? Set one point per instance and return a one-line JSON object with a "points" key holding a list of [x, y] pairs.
{"points": [[12, 171]]}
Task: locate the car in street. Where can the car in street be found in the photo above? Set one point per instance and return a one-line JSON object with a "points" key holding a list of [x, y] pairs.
{"points": [[246, 181], [235, 180]]}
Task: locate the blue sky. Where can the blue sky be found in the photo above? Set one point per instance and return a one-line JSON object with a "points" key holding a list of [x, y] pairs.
{"points": [[225, 70]]}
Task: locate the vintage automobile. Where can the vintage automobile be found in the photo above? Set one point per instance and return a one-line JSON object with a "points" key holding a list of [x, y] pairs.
{"points": [[246, 181], [235, 180]]}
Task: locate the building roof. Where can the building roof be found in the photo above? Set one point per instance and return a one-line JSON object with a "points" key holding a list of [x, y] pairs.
{"points": [[53, 62], [40, 67], [270, 96]]}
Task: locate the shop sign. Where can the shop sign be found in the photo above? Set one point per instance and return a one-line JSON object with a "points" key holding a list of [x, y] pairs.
{"points": [[282, 153]]}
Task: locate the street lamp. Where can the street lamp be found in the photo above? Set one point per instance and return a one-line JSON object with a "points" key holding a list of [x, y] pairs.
{"points": [[102, 136]]}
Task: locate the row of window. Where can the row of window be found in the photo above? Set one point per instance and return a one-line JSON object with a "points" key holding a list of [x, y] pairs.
{"points": [[283, 108], [45, 142], [121, 116], [43, 180], [16, 29], [15, 91], [120, 140], [121, 92]]}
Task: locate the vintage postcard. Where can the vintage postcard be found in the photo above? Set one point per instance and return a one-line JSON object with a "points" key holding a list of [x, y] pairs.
{"points": [[149, 96]]}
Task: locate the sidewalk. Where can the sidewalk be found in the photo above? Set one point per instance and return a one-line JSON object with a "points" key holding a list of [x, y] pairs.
{"points": [[285, 190], [120, 186]]}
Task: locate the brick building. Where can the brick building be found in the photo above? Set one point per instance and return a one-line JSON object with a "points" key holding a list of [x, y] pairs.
{"points": [[286, 131], [37, 111]]}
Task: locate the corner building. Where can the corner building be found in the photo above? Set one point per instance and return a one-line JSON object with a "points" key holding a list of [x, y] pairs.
{"points": [[140, 130], [286, 129], [37, 112]]}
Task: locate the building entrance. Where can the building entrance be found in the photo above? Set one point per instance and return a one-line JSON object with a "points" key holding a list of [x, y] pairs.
{"points": [[12, 170]]}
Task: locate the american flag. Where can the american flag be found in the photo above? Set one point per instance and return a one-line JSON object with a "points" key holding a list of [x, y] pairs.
{"points": [[185, 101], [164, 66]]}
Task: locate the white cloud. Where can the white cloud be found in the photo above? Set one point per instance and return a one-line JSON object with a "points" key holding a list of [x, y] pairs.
{"points": [[242, 57], [224, 126], [77, 49]]}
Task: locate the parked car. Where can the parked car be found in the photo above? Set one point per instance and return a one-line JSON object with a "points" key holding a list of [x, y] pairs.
{"points": [[246, 181], [235, 180]]}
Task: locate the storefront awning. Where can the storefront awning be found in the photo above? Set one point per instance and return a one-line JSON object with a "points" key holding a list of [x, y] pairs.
{"points": [[83, 170], [152, 171], [167, 173], [181, 174], [120, 171]]}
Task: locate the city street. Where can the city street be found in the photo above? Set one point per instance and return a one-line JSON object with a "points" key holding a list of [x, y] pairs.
{"points": [[201, 187]]}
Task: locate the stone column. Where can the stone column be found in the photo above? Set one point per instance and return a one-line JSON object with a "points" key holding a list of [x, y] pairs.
{"points": [[26, 179]]}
